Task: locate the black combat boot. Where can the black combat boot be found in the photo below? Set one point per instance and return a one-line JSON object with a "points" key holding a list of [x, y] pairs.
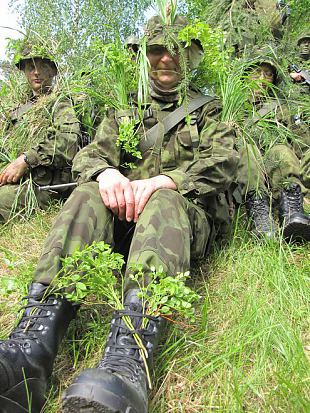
{"points": [[295, 223], [27, 356], [119, 383], [259, 212]]}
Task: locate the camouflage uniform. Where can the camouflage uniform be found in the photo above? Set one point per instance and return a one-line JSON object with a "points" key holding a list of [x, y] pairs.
{"points": [[281, 161], [51, 151], [175, 225], [276, 137], [305, 169], [244, 20]]}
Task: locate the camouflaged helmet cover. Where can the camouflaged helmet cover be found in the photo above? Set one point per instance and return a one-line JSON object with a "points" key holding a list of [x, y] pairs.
{"points": [[132, 40], [261, 56], [302, 37], [157, 33], [32, 51]]}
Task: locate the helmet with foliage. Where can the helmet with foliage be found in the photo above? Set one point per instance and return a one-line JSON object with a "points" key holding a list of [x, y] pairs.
{"points": [[165, 34], [26, 50], [264, 56], [303, 36]]}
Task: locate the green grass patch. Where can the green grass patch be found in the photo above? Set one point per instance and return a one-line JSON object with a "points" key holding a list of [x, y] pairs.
{"points": [[247, 351]]}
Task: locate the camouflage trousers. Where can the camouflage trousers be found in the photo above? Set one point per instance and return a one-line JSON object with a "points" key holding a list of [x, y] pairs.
{"points": [[16, 200], [170, 231], [279, 167], [305, 169]]}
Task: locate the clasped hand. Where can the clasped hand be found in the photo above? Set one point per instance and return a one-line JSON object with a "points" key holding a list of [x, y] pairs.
{"points": [[126, 198]]}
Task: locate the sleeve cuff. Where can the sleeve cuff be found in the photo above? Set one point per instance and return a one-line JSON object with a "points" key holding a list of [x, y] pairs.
{"points": [[182, 181], [33, 159]]}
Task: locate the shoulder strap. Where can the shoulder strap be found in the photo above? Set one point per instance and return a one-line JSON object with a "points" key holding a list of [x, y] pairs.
{"points": [[265, 110], [21, 110], [171, 120]]}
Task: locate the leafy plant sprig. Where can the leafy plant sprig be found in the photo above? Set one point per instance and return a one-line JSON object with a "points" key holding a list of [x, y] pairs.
{"points": [[93, 271]]}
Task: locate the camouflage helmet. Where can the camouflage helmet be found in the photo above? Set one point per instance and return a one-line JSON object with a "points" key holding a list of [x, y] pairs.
{"points": [[302, 37], [132, 42], [32, 51], [263, 56], [159, 33]]}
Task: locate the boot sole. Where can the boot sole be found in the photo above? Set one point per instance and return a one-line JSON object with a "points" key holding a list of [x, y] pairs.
{"points": [[9, 406], [81, 398], [297, 231], [15, 399]]}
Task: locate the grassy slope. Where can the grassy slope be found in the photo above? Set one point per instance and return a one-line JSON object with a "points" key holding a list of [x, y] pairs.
{"points": [[248, 351]]}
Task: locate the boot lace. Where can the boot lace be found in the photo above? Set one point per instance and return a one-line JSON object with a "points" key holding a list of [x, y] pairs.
{"points": [[260, 213], [294, 199], [122, 354], [29, 324]]}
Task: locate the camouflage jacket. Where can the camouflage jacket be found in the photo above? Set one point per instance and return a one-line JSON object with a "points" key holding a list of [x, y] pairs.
{"points": [[199, 157], [54, 130], [273, 122]]}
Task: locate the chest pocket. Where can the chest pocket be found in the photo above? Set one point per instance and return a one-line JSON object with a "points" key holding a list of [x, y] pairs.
{"points": [[187, 141]]}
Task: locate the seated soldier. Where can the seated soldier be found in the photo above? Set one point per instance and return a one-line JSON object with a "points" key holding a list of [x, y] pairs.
{"points": [[175, 202], [302, 62], [272, 158], [243, 20], [42, 134]]}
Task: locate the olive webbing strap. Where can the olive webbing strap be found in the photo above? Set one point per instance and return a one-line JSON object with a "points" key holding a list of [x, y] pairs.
{"points": [[265, 110], [21, 110], [171, 120]]}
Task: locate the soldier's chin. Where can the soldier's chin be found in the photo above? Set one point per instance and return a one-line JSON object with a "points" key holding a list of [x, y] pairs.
{"points": [[167, 82]]}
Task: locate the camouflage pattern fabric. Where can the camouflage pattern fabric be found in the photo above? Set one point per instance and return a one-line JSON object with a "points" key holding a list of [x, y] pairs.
{"points": [[50, 156], [283, 168], [169, 232], [245, 19], [273, 162], [175, 226], [305, 169], [251, 172]]}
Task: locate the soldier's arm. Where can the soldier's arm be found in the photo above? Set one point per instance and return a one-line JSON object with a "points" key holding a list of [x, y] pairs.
{"points": [[216, 163], [99, 155], [60, 144]]}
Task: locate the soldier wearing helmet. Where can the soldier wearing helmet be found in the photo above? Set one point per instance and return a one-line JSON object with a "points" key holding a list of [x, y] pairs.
{"points": [[273, 163], [300, 73], [169, 207], [47, 147], [132, 43]]}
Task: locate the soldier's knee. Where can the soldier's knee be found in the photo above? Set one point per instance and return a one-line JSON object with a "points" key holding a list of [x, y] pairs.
{"points": [[280, 152], [166, 196]]}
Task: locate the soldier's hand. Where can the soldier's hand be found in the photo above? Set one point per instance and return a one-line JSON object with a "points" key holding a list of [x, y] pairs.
{"points": [[297, 77], [14, 171], [116, 193], [144, 188]]}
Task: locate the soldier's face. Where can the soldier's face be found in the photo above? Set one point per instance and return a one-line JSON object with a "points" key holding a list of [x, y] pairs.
{"points": [[39, 74], [304, 48], [165, 67], [264, 76]]}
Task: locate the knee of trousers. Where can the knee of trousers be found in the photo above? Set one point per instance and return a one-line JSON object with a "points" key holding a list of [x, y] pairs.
{"points": [[164, 199], [282, 153]]}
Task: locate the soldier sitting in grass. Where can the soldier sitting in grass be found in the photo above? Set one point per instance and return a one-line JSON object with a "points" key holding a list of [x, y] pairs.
{"points": [[169, 207], [272, 157], [300, 72], [38, 140]]}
